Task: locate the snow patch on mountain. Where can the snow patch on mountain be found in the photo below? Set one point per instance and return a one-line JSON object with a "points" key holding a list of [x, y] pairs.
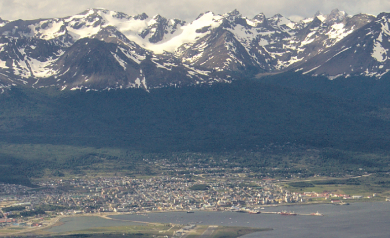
{"points": [[132, 29], [128, 27], [194, 58], [197, 71], [321, 17], [379, 53], [311, 69], [338, 53], [3, 64], [21, 69], [244, 35], [185, 34], [84, 31], [47, 29], [119, 60], [335, 76], [41, 69], [338, 32], [283, 21], [131, 54], [163, 45], [307, 20]]}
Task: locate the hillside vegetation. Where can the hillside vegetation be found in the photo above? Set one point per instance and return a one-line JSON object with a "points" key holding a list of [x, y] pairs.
{"points": [[49, 129]]}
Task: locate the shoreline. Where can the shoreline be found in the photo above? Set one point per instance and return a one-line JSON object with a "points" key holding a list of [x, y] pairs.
{"points": [[106, 215], [109, 215]]}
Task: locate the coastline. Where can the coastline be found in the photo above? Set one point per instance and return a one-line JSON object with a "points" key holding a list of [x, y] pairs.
{"points": [[111, 215]]}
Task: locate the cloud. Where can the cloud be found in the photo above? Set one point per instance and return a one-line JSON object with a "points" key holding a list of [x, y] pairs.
{"points": [[295, 18], [187, 9]]}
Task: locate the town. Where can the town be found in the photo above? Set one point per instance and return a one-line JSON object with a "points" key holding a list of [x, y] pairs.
{"points": [[21, 206]]}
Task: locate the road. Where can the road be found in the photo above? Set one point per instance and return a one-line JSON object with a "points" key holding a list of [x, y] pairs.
{"points": [[208, 232]]}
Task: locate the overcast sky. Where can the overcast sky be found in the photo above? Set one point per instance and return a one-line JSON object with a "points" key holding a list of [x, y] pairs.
{"points": [[187, 9]]}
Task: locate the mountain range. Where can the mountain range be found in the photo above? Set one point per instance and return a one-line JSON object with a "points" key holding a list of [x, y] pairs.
{"points": [[221, 84], [101, 49]]}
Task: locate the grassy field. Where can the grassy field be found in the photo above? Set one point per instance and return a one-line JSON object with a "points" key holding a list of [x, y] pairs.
{"points": [[149, 230], [153, 230], [44, 161], [363, 185], [233, 232]]}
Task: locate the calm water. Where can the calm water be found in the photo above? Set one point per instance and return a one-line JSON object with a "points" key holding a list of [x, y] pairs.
{"points": [[355, 220]]}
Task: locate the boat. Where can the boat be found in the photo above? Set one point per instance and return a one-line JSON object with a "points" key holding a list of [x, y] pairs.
{"points": [[190, 212], [288, 213], [316, 214], [254, 212], [341, 203], [241, 211]]}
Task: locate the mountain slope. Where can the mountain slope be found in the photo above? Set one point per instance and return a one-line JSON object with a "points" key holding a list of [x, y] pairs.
{"points": [[363, 52], [152, 52], [241, 115]]}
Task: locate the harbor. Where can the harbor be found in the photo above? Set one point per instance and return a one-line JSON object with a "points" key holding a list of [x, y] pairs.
{"points": [[338, 221], [288, 213]]}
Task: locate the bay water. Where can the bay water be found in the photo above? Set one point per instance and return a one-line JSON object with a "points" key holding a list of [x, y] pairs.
{"points": [[352, 221]]}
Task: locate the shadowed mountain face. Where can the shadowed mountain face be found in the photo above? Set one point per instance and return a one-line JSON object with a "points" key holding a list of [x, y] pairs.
{"points": [[242, 115], [101, 49]]}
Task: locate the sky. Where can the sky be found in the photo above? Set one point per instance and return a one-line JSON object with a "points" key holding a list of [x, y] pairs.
{"points": [[188, 9]]}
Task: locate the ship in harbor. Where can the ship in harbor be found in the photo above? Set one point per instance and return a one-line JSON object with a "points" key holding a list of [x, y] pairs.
{"points": [[254, 212], [338, 202], [316, 214]]}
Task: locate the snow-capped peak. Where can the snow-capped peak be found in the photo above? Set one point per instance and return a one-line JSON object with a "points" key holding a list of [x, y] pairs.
{"points": [[336, 16], [260, 17], [211, 43], [2, 22], [320, 16], [281, 21], [234, 13], [141, 17]]}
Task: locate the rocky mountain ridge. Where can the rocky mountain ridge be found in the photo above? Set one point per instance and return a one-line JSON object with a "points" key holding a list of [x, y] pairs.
{"points": [[101, 49]]}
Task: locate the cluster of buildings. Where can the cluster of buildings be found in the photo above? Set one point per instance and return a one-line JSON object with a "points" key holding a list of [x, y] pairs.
{"points": [[161, 193], [12, 189], [124, 194], [334, 197], [7, 222]]}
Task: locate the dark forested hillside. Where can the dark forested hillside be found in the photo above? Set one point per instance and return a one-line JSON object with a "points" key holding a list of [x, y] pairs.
{"points": [[241, 115], [368, 90]]}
